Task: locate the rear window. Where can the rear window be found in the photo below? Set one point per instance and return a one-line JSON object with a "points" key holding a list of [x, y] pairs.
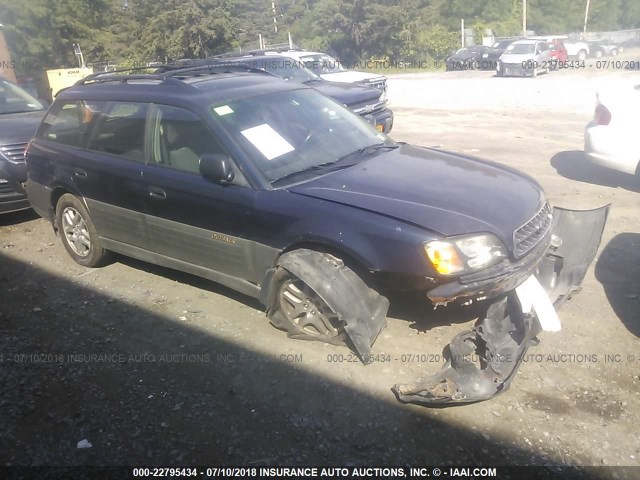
{"points": [[119, 128], [63, 124]]}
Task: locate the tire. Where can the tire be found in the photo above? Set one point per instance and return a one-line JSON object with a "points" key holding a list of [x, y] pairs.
{"points": [[582, 55], [299, 311], [78, 234], [598, 54], [614, 52]]}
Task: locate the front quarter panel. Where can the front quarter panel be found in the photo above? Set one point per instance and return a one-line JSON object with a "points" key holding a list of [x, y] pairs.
{"points": [[284, 220]]}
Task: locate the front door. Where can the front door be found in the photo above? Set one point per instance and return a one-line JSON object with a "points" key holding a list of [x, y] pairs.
{"points": [[190, 218]]}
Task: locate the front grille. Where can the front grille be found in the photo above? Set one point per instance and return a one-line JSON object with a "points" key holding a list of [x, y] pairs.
{"points": [[14, 152], [365, 108], [379, 84], [5, 188], [531, 233]]}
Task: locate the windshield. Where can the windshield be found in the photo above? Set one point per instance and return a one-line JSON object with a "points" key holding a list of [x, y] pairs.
{"points": [[322, 63], [520, 48], [288, 69], [13, 99], [503, 44], [296, 131]]}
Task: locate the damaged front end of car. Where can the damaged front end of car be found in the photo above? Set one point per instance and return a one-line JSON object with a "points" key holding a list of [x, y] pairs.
{"points": [[483, 361]]}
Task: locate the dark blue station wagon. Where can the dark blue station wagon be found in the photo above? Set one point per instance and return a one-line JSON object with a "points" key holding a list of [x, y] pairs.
{"points": [[277, 191]]}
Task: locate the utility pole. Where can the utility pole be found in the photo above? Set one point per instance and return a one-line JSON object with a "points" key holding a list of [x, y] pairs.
{"points": [[524, 18], [275, 21], [462, 32], [6, 64], [586, 18]]}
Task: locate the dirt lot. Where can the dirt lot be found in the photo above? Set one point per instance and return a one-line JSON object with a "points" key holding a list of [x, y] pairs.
{"points": [[188, 372]]}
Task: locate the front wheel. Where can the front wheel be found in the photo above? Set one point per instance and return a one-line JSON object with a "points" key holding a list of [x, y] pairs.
{"points": [[301, 312], [582, 55], [78, 234]]}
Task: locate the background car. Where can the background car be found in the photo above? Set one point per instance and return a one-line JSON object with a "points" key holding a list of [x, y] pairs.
{"points": [[368, 102], [525, 58], [330, 69], [577, 49], [603, 48], [498, 48], [611, 138], [20, 115], [558, 52], [322, 64], [467, 58]]}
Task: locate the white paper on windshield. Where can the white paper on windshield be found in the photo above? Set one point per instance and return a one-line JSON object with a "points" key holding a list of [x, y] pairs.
{"points": [[268, 141], [532, 296], [223, 110]]}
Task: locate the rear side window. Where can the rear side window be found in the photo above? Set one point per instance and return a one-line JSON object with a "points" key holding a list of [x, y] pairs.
{"points": [[63, 124], [119, 129]]}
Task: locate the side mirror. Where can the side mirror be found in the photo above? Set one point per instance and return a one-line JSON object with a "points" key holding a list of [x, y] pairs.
{"points": [[216, 168]]}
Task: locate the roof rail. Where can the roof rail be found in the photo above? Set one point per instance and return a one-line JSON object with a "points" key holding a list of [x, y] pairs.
{"points": [[99, 74], [214, 66], [277, 48], [171, 73]]}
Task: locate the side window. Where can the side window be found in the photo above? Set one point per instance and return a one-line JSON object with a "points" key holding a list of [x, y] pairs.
{"points": [[180, 138], [119, 128], [63, 124]]}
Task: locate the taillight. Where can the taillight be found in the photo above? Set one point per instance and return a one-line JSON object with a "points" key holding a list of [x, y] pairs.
{"points": [[602, 115]]}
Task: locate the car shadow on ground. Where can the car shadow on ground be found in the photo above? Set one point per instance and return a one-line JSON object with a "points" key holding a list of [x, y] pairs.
{"points": [[618, 270], [413, 307], [143, 389], [16, 218], [574, 166]]}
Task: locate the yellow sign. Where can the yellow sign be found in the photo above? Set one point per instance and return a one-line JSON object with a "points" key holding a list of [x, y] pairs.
{"points": [[65, 77]]}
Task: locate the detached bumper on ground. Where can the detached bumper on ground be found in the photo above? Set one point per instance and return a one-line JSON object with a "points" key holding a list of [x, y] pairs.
{"points": [[483, 361]]}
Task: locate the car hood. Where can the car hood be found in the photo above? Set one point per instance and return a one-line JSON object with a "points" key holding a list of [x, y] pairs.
{"points": [[19, 127], [495, 53], [442, 192], [516, 57], [351, 77], [462, 56], [346, 93]]}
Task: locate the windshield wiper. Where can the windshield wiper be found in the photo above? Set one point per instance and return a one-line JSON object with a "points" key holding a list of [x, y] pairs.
{"points": [[368, 150], [338, 164], [309, 169]]}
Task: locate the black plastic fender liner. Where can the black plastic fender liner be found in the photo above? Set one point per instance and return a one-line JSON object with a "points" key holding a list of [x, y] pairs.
{"points": [[362, 310], [482, 361]]}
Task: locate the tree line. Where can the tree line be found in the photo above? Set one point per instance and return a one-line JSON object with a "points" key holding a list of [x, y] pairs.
{"points": [[40, 33]]}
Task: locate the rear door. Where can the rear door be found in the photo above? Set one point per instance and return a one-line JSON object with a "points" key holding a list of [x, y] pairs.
{"points": [[188, 217], [110, 173]]}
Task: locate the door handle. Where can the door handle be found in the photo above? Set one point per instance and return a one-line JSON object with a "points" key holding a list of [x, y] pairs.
{"points": [[157, 192], [80, 173]]}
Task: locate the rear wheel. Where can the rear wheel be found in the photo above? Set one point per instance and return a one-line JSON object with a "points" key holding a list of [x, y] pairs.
{"points": [[614, 52], [582, 55], [598, 54], [78, 234]]}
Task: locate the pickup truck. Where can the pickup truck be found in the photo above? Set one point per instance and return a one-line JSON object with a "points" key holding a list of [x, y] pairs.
{"points": [[577, 49]]}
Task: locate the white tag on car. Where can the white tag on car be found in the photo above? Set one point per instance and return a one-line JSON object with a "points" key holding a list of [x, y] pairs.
{"points": [[532, 296]]}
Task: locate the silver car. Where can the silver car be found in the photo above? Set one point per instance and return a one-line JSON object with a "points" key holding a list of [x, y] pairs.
{"points": [[525, 58]]}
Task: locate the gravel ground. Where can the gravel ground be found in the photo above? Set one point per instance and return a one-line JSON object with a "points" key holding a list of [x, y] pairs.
{"points": [[150, 366]]}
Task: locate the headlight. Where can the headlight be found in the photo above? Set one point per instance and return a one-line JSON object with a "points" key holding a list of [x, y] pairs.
{"points": [[463, 254]]}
